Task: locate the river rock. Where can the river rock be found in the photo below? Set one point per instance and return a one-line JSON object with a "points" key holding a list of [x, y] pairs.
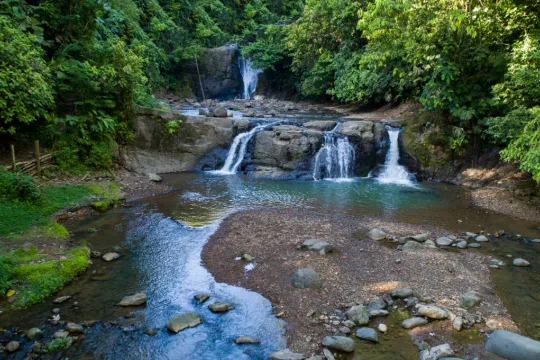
{"points": [[367, 334], [340, 343], [286, 354], [246, 340], [377, 234], [12, 346], [474, 245], [512, 346], [183, 321], [462, 244], [412, 246], [469, 299], [437, 352], [358, 314], [432, 312], [418, 238], [61, 299], [154, 177], [201, 298], [535, 241], [320, 246], [220, 307], [444, 241], [320, 125], [520, 262], [306, 278], [220, 112], [133, 300], [111, 256], [74, 328], [413, 322], [374, 313], [60, 334], [328, 354], [481, 238], [378, 304], [457, 324], [34, 333], [382, 328], [402, 293]]}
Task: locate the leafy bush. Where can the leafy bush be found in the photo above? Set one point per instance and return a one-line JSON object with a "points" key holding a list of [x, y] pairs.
{"points": [[18, 186]]}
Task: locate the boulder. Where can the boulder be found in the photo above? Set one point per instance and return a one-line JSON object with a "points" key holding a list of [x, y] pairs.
{"points": [[183, 321], [320, 246], [469, 299], [110, 256], [366, 333], [339, 343], [444, 241], [520, 262], [133, 300], [220, 307], [511, 346], [34, 333], [286, 354], [374, 313], [418, 238], [432, 312], [306, 279], [246, 340], [481, 238], [413, 322], [361, 130], [320, 125], [74, 328], [462, 244], [358, 314], [12, 346], [201, 298], [376, 234], [437, 352], [220, 112], [402, 293]]}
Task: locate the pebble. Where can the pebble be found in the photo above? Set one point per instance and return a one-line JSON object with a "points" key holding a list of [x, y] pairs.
{"points": [[481, 238], [60, 334], [414, 322], [520, 262], [402, 293], [61, 299], [368, 334], [74, 328], [382, 328], [110, 256], [246, 340], [12, 346], [398, 261], [201, 298], [340, 343]]}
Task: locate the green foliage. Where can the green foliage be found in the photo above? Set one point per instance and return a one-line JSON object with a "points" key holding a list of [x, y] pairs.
{"points": [[59, 344], [18, 186], [172, 127]]}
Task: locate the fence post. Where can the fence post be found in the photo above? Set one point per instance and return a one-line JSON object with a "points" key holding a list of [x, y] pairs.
{"points": [[14, 168], [38, 159]]}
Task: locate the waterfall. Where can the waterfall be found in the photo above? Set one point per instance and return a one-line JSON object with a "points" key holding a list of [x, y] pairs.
{"points": [[335, 160], [393, 173], [249, 77], [238, 149]]}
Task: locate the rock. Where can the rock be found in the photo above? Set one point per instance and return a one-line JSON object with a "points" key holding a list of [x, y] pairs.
{"points": [[481, 238], [432, 312], [344, 330], [220, 112], [402, 293], [358, 314], [412, 246], [474, 245], [34, 333], [61, 299], [320, 125], [320, 246], [511, 346], [220, 73], [437, 352], [378, 304], [61, 334], [183, 321], [306, 278], [201, 298], [286, 354], [366, 333], [246, 340], [535, 241], [12, 346], [339, 343], [376, 234], [111, 256], [328, 354], [74, 328], [413, 322], [520, 262], [374, 313], [133, 300], [220, 307], [417, 238], [444, 241], [203, 112], [151, 331], [469, 299], [457, 324], [154, 177], [462, 244], [382, 328], [247, 257], [56, 311], [492, 324]]}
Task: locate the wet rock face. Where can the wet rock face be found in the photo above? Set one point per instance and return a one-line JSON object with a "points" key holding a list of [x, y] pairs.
{"points": [[512, 346]]}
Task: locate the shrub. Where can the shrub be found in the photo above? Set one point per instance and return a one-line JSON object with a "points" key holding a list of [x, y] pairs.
{"points": [[18, 186]]}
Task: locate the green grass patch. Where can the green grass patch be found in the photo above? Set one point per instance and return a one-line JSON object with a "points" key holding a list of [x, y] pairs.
{"points": [[59, 344], [34, 278]]}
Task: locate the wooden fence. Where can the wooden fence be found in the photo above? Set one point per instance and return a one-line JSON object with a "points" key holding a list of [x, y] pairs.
{"points": [[30, 167]]}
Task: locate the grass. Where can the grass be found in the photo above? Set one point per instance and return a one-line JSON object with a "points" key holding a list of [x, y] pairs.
{"points": [[59, 344]]}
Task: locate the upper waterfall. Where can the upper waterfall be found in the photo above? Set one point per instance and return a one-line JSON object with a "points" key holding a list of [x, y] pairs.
{"points": [[393, 173], [249, 77], [335, 160]]}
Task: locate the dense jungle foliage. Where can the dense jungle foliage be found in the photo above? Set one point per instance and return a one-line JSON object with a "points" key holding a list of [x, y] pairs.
{"points": [[71, 71]]}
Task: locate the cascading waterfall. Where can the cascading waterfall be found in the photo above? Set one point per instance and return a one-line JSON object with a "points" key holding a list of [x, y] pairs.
{"points": [[335, 160], [238, 149], [249, 77], [393, 173]]}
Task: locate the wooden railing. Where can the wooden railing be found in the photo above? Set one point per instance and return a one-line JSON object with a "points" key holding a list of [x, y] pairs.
{"points": [[30, 167]]}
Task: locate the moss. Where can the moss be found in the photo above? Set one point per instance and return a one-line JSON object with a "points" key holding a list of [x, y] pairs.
{"points": [[108, 193], [59, 344], [34, 277], [468, 336], [53, 230], [101, 206]]}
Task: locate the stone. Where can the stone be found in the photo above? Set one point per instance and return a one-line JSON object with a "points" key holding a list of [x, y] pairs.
{"points": [[535, 241], [437, 352], [470, 235], [151, 331], [374, 313], [220, 307], [444, 241], [61, 334], [61, 299], [247, 257], [481, 238], [286, 354], [201, 298], [358, 314], [306, 278], [339, 343], [378, 304], [402, 293], [220, 112], [382, 328], [462, 244], [457, 324], [183, 321], [432, 312], [419, 237], [492, 324], [469, 299], [12, 346], [413, 322], [133, 300], [246, 340], [74, 328], [34, 333], [377, 234], [412, 246], [474, 245], [154, 177], [344, 330], [511, 346], [366, 333], [111, 256], [328, 354], [320, 125], [520, 262], [320, 246]]}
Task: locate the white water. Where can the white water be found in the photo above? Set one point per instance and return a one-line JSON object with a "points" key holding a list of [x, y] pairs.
{"points": [[335, 160], [394, 173], [238, 150], [249, 77]]}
